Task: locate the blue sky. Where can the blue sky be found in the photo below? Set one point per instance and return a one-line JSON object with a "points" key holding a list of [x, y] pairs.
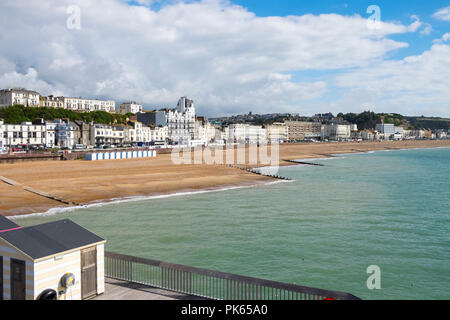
{"points": [[234, 56]]}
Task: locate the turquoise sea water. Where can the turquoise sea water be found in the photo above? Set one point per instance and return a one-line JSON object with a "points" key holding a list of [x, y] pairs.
{"points": [[390, 209]]}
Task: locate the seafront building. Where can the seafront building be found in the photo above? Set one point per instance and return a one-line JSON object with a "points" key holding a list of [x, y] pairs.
{"points": [[88, 105], [181, 121], [52, 102], [14, 96], [301, 130], [152, 118], [129, 107], [25, 133], [101, 134], [335, 132], [245, 133], [277, 132], [387, 129]]}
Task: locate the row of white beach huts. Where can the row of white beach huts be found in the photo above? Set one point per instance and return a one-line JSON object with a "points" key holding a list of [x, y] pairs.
{"points": [[121, 155]]}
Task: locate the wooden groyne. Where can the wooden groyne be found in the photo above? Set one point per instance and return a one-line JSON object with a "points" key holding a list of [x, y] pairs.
{"points": [[9, 181], [305, 163], [39, 193], [49, 196], [252, 170]]}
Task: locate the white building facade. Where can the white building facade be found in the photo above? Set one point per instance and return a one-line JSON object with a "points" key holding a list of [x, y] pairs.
{"points": [[88, 105], [106, 134], [25, 133], [277, 132], [245, 133], [129, 107], [181, 121], [14, 96], [387, 129], [336, 132]]}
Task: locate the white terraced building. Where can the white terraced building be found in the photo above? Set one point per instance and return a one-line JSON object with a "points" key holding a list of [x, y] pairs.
{"points": [[25, 133], [139, 133], [277, 132], [14, 96], [52, 102], [245, 133], [87, 105], [48, 134], [105, 134], [159, 134]]}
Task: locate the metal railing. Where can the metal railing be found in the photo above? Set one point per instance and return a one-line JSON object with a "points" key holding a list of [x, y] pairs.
{"points": [[207, 283]]}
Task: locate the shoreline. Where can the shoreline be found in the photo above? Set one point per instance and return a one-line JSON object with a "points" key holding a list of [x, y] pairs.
{"points": [[81, 181], [106, 202]]}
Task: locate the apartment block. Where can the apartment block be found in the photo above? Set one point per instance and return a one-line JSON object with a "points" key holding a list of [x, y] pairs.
{"points": [[22, 96], [88, 105], [301, 130]]}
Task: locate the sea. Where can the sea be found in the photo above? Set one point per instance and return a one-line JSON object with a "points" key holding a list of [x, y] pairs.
{"points": [[326, 228]]}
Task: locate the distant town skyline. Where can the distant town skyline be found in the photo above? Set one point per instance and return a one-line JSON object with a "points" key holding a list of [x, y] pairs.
{"points": [[232, 57]]}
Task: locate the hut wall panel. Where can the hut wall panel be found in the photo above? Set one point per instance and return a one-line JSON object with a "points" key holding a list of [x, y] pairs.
{"points": [[100, 269], [48, 274]]}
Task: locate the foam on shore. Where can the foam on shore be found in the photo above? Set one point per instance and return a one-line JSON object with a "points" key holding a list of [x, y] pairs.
{"points": [[101, 203]]}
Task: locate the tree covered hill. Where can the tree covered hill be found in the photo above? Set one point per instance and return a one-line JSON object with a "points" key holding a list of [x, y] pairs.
{"points": [[369, 119], [19, 113]]}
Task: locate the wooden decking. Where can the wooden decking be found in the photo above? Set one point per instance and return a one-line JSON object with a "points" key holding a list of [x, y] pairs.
{"points": [[124, 290]]}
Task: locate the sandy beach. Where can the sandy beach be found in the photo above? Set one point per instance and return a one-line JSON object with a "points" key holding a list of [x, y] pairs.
{"points": [[86, 182]]}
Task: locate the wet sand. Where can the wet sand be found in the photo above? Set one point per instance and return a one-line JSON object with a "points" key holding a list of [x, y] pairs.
{"points": [[85, 182]]}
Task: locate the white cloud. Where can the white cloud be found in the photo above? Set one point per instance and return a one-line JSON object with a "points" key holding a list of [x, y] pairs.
{"points": [[220, 54], [443, 14], [413, 85], [444, 38]]}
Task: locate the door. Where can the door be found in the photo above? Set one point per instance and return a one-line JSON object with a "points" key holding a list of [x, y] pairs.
{"points": [[88, 272], [17, 279]]}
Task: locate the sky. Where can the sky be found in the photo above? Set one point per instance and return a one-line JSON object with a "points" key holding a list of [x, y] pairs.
{"points": [[233, 57]]}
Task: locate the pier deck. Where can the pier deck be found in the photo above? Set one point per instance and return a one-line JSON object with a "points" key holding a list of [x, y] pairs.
{"points": [[125, 290]]}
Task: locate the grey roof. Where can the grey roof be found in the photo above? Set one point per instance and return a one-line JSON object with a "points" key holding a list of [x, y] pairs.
{"points": [[6, 224], [50, 238]]}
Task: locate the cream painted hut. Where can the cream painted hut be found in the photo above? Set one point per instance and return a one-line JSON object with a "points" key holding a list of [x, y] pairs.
{"points": [[59, 260]]}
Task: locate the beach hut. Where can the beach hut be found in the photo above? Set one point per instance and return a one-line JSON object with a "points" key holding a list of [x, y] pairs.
{"points": [[106, 156], [100, 156], [145, 153], [112, 155], [139, 154], [129, 154], [123, 155], [118, 155], [54, 260], [134, 154], [91, 156]]}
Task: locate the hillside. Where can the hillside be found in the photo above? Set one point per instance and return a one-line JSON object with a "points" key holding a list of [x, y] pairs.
{"points": [[19, 113]]}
